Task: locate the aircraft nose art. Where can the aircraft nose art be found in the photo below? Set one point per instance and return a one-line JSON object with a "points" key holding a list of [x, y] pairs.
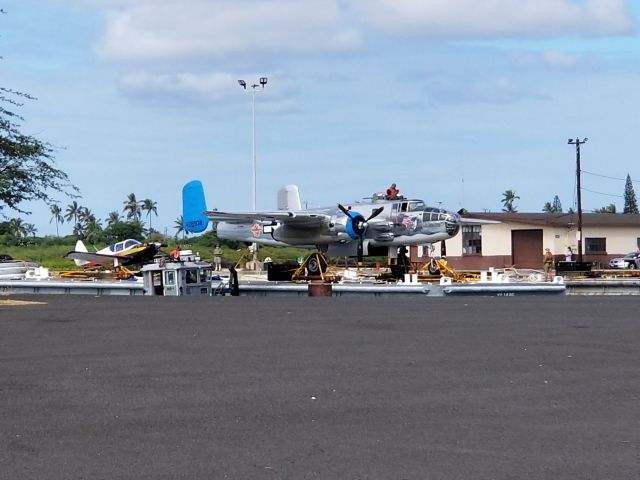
{"points": [[452, 223]]}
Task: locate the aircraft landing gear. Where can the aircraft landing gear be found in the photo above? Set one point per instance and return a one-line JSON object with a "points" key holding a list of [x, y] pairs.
{"points": [[433, 267], [315, 266]]}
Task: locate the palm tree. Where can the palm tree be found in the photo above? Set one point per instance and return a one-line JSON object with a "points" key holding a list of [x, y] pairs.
{"points": [[132, 207], [150, 207], [83, 214], [30, 229], [92, 228], [114, 217], [611, 208], [179, 226], [73, 210], [89, 226], [17, 227], [508, 197], [555, 207], [56, 215]]}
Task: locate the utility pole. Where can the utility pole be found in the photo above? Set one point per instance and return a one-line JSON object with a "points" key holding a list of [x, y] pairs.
{"points": [[577, 142]]}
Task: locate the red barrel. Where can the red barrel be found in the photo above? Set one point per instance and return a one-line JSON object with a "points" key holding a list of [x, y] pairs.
{"points": [[320, 290]]}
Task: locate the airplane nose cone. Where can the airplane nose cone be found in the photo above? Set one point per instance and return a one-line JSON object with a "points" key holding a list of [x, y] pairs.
{"points": [[452, 223]]}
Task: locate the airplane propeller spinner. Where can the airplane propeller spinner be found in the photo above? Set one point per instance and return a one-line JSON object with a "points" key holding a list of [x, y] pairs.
{"points": [[358, 225]]}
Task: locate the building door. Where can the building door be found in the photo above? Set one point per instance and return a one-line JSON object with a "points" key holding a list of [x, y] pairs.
{"points": [[170, 283], [526, 248]]}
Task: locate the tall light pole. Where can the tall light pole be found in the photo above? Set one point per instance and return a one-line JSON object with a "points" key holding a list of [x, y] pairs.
{"points": [[254, 89], [577, 142]]}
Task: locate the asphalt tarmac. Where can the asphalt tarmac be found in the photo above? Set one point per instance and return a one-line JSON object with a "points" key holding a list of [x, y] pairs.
{"points": [[327, 388]]}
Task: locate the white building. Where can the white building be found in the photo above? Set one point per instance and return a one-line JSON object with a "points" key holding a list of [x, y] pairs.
{"points": [[519, 239]]}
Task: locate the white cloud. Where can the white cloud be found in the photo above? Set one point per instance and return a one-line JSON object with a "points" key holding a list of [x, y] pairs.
{"points": [[174, 42], [163, 29], [497, 18], [458, 90], [557, 59], [211, 85], [550, 58], [188, 89]]}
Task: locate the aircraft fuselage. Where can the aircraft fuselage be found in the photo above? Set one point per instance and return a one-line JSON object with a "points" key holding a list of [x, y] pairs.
{"points": [[402, 222]]}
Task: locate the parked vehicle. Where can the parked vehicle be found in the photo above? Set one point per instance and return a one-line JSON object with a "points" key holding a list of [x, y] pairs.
{"points": [[630, 260]]}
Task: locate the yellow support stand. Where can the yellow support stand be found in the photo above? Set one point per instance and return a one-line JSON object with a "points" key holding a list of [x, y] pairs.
{"points": [[315, 266]]}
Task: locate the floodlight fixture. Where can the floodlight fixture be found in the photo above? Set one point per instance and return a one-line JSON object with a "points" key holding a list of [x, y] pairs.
{"points": [[577, 141], [243, 84]]}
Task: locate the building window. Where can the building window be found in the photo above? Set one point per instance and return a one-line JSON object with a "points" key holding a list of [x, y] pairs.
{"points": [[595, 245], [471, 240]]}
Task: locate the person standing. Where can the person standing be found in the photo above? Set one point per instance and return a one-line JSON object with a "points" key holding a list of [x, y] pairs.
{"points": [[569, 255], [547, 264], [217, 258]]}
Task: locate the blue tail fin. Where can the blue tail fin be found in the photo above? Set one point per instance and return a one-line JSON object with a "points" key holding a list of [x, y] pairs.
{"points": [[193, 207]]}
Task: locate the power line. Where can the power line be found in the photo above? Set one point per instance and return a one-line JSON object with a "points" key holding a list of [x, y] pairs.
{"points": [[606, 176], [601, 193]]}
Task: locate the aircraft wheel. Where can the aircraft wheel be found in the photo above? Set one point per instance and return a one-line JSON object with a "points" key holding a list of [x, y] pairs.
{"points": [[433, 267], [316, 265], [313, 267]]}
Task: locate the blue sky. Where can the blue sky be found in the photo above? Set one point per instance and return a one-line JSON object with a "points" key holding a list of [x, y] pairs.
{"points": [[456, 101]]}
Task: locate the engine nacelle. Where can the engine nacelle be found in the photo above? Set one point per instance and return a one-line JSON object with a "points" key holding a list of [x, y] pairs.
{"points": [[353, 226]]}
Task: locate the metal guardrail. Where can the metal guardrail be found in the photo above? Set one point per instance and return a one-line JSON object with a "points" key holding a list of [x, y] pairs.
{"points": [[570, 287], [68, 287]]}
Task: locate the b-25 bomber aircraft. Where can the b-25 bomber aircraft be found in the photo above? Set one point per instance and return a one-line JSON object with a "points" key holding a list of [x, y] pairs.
{"points": [[378, 226]]}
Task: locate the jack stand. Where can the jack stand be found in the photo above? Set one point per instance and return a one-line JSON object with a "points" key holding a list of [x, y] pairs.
{"points": [[315, 266], [123, 273]]}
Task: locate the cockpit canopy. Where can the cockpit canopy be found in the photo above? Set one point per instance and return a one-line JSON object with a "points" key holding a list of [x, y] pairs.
{"points": [[409, 206], [124, 245], [432, 214]]}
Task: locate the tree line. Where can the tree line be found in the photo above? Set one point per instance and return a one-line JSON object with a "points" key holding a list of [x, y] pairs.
{"points": [[555, 206], [87, 226]]}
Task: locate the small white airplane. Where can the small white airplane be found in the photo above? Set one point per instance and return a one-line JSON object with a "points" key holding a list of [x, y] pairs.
{"points": [[126, 252], [379, 226]]}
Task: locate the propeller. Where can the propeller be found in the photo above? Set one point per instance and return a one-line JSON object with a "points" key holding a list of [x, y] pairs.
{"points": [[359, 225]]}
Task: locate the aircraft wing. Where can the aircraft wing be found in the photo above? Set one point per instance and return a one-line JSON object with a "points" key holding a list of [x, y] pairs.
{"points": [[293, 219], [97, 258]]}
